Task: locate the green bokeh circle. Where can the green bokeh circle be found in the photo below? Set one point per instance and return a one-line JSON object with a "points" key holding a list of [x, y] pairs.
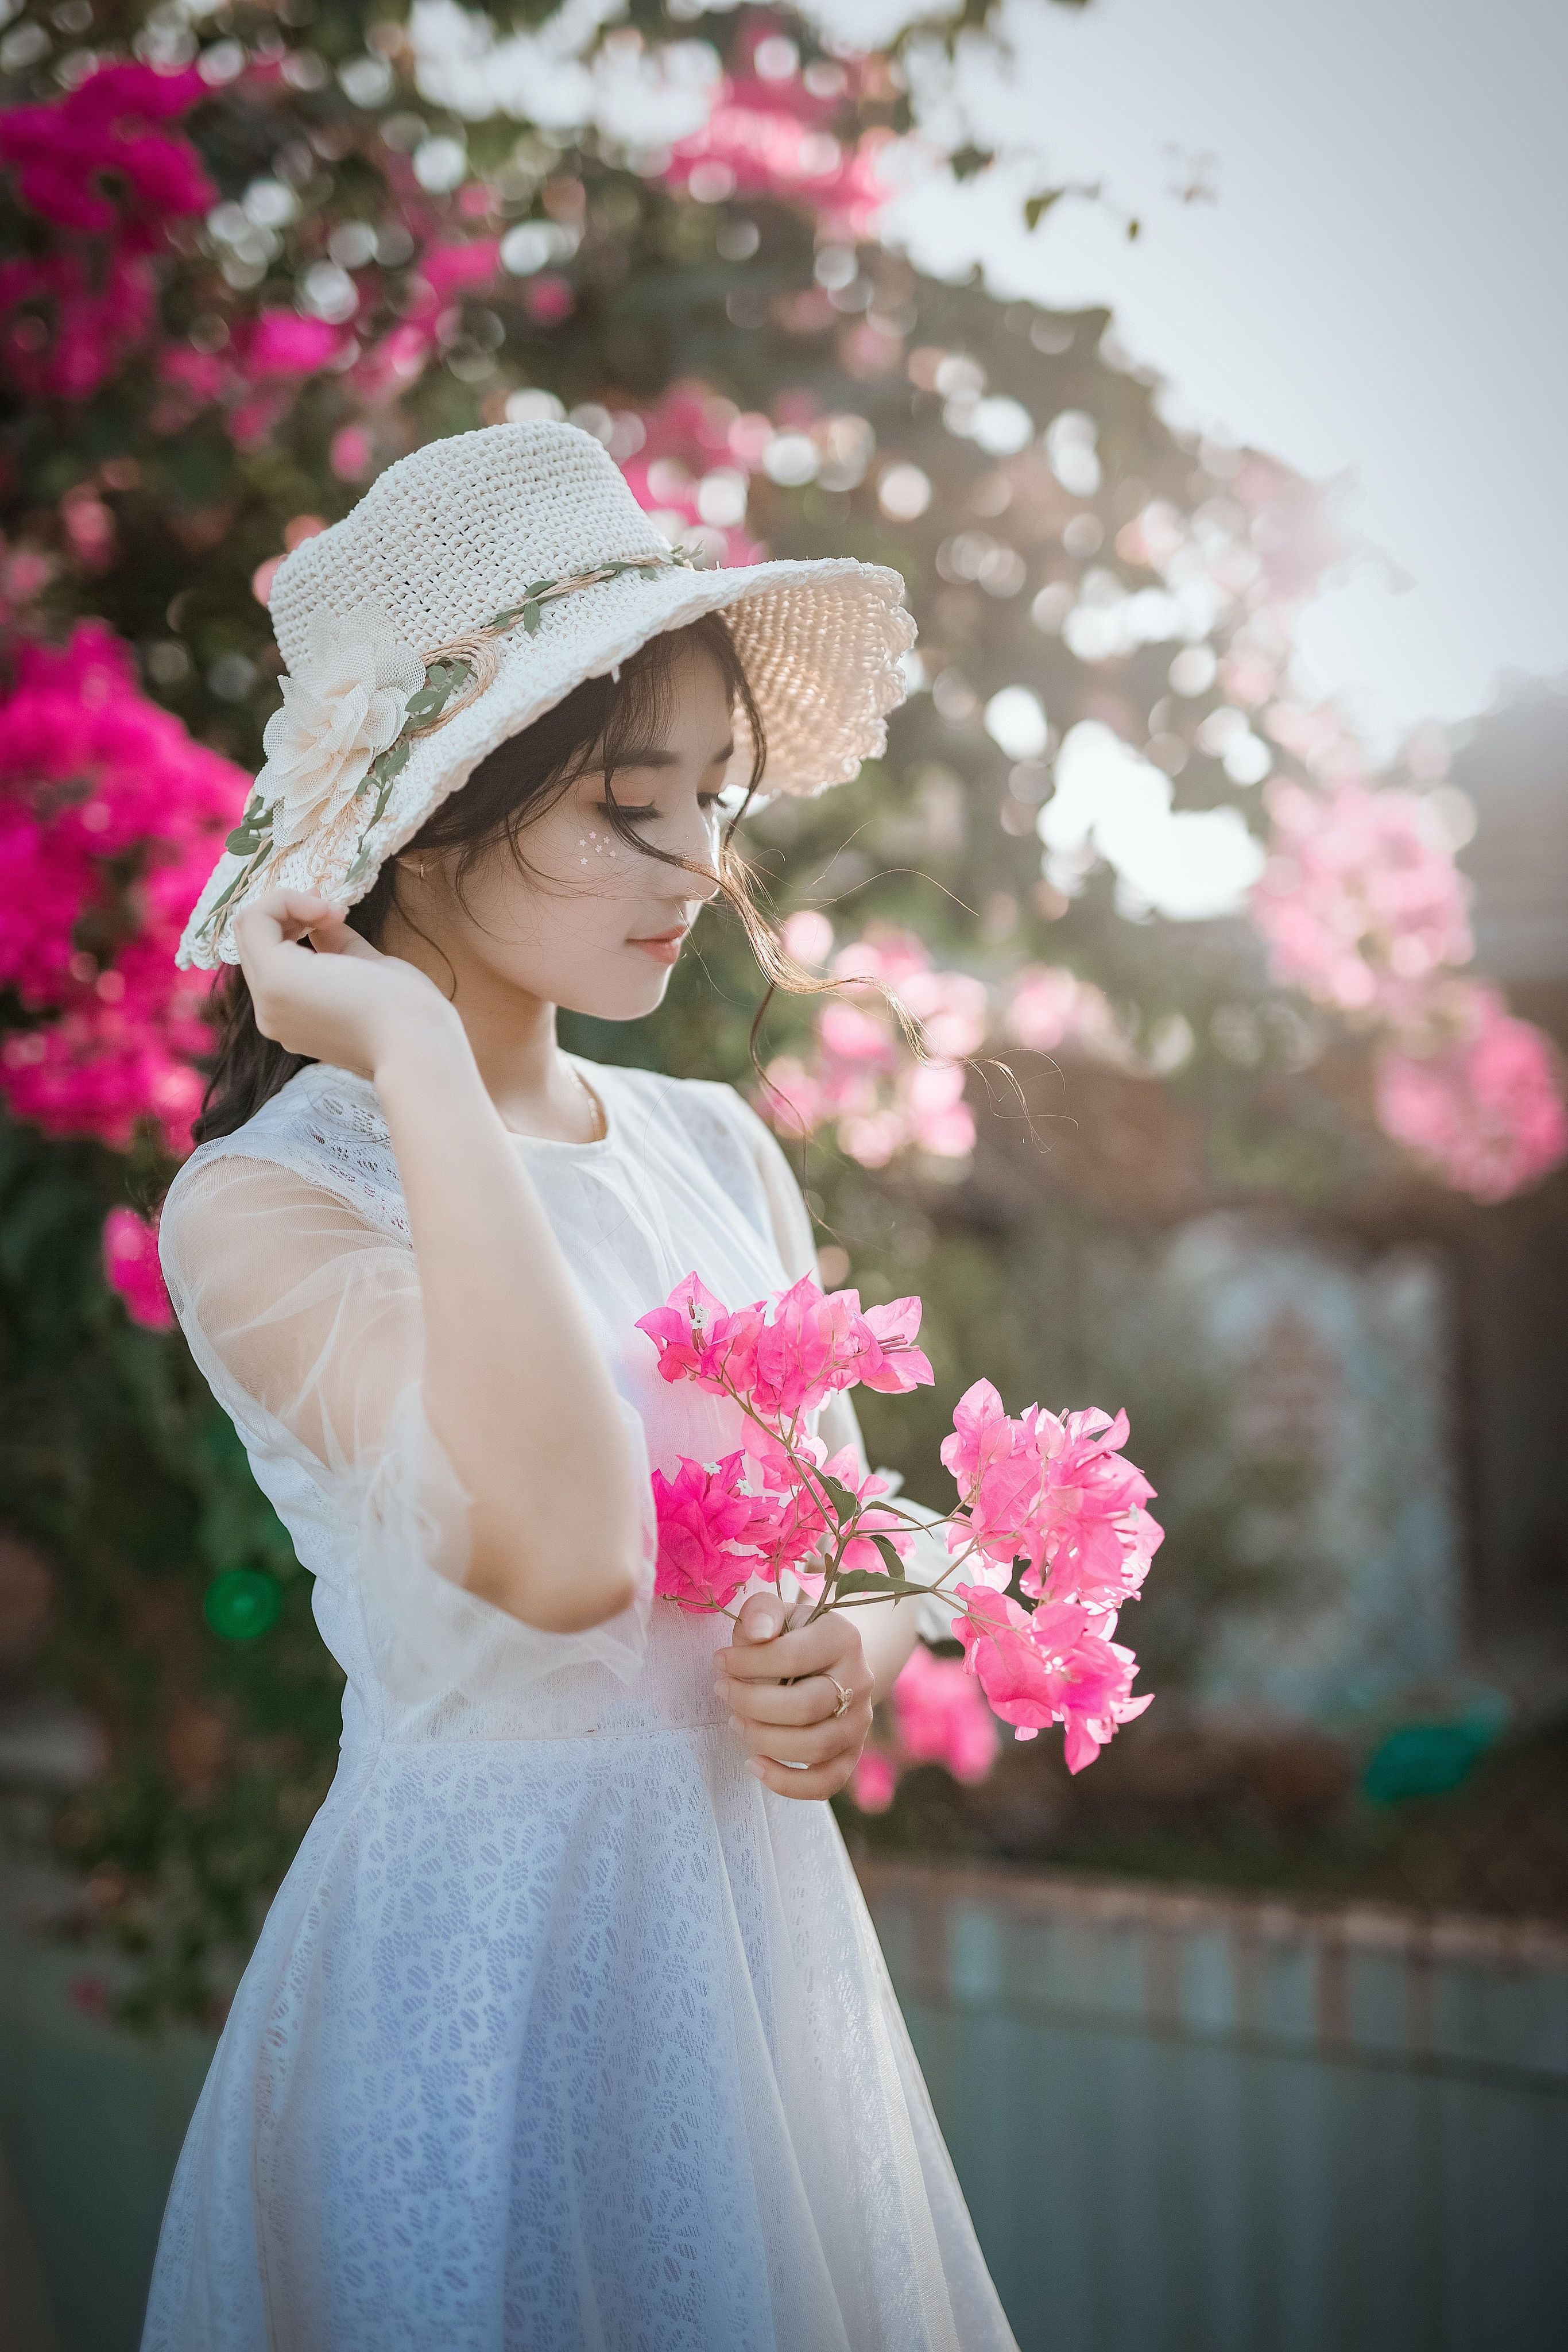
{"points": [[242, 1604]]}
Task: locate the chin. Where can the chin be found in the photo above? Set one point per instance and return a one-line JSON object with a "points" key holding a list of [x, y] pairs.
{"points": [[630, 1000]]}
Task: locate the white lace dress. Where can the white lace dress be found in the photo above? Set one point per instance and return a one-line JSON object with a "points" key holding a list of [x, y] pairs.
{"points": [[563, 2034]]}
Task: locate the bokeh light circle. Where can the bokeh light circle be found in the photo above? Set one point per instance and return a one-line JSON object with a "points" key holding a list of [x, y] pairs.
{"points": [[242, 1604]]}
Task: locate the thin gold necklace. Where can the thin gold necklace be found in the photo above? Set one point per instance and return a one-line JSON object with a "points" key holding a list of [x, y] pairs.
{"points": [[595, 1109]]}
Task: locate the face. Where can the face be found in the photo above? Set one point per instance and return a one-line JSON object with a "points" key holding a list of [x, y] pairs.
{"points": [[593, 924]]}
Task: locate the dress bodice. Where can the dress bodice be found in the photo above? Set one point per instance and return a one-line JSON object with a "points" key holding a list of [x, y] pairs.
{"points": [[289, 1239]]}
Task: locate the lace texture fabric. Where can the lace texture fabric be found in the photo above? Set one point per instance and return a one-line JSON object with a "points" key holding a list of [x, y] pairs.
{"points": [[563, 2034]]}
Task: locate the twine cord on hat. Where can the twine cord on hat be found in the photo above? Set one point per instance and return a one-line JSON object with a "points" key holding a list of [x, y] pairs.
{"points": [[455, 674]]}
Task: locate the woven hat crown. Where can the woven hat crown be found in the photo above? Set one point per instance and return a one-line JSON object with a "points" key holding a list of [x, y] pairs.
{"points": [[459, 529], [476, 583]]}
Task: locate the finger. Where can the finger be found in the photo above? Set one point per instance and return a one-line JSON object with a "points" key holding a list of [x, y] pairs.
{"points": [[761, 1619], [823, 1780], [279, 917], [816, 1743], [807, 1650], [812, 1701], [338, 936]]}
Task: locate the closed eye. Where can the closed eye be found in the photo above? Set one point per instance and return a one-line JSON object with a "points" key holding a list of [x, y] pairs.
{"points": [[706, 802]]}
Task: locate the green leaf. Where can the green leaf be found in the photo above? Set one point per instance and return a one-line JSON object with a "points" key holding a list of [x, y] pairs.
{"points": [[531, 619], [1036, 209], [241, 843], [880, 1588], [861, 1580], [427, 701], [846, 1503], [895, 1565]]}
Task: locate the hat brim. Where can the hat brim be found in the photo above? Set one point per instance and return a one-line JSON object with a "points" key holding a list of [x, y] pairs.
{"points": [[823, 645]]}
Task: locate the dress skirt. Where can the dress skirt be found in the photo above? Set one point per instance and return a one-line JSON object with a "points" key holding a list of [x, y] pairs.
{"points": [[567, 2045]]}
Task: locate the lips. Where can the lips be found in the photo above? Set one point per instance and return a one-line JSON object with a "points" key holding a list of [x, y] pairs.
{"points": [[665, 947]]}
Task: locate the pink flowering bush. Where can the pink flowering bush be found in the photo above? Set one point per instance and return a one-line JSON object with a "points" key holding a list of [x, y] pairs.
{"points": [[1364, 912], [1051, 1011], [769, 136], [863, 1078], [939, 1716], [1050, 1497], [1479, 1100], [1359, 905], [691, 467], [130, 1267], [97, 165], [873, 1784], [942, 1718], [110, 817], [862, 1075]]}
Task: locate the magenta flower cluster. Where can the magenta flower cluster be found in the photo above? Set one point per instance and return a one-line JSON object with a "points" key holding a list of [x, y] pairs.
{"points": [[1049, 1498], [1056, 1492], [110, 817], [97, 165], [772, 1505]]}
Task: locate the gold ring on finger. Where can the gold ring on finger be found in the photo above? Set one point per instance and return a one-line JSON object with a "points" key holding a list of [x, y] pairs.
{"points": [[846, 1698]]}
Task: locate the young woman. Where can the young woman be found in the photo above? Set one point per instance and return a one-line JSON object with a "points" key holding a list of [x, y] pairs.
{"points": [[567, 2031]]}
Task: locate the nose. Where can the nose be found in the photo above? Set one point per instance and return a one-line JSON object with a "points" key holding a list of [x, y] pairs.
{"points": [[697, 838]]}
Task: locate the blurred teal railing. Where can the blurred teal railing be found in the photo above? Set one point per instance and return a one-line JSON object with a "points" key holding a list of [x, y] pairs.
{"points": [[1189, 2124], [1184, 2123]]}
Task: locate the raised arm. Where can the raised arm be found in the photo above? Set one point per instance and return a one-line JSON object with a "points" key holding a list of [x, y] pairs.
{"points": [[514, 1386]]}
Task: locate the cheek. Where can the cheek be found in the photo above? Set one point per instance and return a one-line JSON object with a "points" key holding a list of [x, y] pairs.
{"points": [[598, 852]]}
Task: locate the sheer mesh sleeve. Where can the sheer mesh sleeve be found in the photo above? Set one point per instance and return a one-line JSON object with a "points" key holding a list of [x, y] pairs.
{"points": [[839, 1423], [305, 1322]]}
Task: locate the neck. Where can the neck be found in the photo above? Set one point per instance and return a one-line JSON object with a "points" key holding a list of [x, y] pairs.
{"points": [[512, 1035]]}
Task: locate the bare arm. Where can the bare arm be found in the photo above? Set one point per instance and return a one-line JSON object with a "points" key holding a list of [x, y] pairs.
{"points": [[516, 1386]]}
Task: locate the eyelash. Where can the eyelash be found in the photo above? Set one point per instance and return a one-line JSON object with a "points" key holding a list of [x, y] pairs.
{"points": [[706, 802]]}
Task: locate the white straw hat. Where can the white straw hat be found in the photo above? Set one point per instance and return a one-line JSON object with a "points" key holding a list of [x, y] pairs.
{"points": [[474, 585]]}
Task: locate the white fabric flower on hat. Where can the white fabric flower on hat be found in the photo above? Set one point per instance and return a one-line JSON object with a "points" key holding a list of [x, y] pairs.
{"points": [[341, 710]]}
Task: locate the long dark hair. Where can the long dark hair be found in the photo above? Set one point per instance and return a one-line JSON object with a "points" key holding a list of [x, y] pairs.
{"points": [[599, 720]]}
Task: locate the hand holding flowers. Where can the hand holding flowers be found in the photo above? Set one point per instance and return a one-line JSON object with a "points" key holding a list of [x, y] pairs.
{"points": [[1048, 1499], [783, 1688]]}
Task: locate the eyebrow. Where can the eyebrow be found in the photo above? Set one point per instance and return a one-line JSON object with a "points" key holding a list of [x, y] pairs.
{"points": [[657, 755]]}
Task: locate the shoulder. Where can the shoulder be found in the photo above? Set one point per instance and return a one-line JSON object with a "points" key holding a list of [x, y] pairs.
{"points": [[321, 1133]]}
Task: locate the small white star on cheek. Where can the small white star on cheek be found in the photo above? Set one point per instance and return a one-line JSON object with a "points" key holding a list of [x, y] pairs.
{"points": [[598, 845]]}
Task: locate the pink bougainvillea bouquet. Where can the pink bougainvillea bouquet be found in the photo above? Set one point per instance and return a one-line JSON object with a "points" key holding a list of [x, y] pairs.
{"points": [[1046, 1501]]}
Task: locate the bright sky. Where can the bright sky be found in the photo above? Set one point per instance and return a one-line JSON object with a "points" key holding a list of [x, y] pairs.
{"points": [[1376, 293]]}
